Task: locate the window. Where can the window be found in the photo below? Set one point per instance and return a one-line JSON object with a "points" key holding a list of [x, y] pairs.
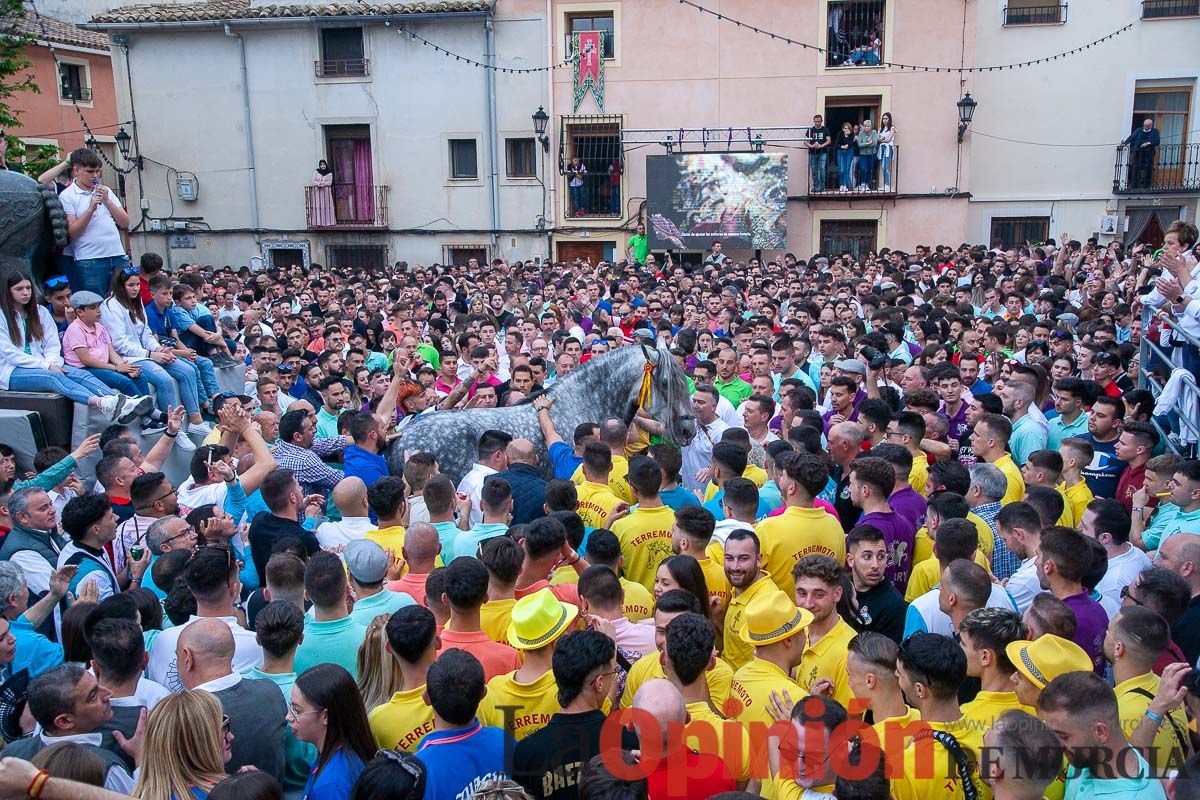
{"points": [[521, 156], [1153, 9], [346, 256], [460, 255], [1019, 231], [1034, 12], [1168, 107], [73, 83], [463, 160], [592, 164], [342, 54], [578, 23], [853, 236], [855, 33]]}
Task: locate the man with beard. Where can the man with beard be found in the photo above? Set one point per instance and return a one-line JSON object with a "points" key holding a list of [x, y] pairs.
{"points": [[744, 570], [1063, 558], [877, 605], [1082, 711], [818, 581], [978, 405]]}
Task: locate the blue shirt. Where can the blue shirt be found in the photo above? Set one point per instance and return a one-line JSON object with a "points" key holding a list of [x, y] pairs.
{"points": [[360, 463], [714, 506], [335, 641], [565, 462], [980, 386], [458, 761], [678, 497], [1082, 785], [155, 319], [1104, 473], [447, 534], [466, 543], [34, 652], [334, 780]]}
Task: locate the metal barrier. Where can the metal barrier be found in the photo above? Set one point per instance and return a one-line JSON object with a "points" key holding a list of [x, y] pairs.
{"points": [[1186, 413]]}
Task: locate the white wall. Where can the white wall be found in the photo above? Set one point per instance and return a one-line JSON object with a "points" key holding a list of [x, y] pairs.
{"points": [[187, 92], [1086, 98]]}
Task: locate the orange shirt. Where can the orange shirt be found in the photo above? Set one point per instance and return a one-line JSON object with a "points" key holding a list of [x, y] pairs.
{"points": [[496, 658], [412, 585], [565, 592]]}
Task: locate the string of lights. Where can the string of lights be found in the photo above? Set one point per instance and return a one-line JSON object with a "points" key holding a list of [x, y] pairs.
{"points": [[481, 65], [779, 37]]}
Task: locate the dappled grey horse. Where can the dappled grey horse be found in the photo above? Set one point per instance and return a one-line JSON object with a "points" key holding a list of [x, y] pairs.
{"points": [[604, 388]]}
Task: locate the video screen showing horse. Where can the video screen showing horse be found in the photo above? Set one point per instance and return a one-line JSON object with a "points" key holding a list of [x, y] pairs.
{"points": [[739, 199]]}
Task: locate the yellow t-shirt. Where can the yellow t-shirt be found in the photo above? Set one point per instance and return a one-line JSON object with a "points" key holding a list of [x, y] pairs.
{"points": [[982, 712], [924, 774], [649, 667], [798, 532], [1172, 734], [596, 502], [1077, 497], [388, 538], [494, 616], [714, 578], [535, 703], [618, 480], [919, 473], [927, 575], [777, 788], [1016, 484], [402, 721], [732, 740], [645, 537], [736, 652], [894, 728], [564, 574], [827, 659], [639, 602], [750, 473], [923, 545], [751, 690]]}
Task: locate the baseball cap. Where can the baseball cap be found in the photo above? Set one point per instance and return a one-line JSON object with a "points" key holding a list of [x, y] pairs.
{"points": [[366, 561], [83, 298]]}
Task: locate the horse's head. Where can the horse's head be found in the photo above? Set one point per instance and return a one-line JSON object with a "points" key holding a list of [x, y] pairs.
{"points": [[669, 402]]}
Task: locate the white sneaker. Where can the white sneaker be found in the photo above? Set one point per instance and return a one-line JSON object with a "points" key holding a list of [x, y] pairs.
{"points": [[141, 404], [843, 189], [887, 187], [111, 405], [202, 428], [184, 442]]}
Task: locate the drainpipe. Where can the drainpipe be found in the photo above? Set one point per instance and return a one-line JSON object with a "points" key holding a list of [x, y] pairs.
{"points": [[254, 221], [549, 214], [490, 77]]}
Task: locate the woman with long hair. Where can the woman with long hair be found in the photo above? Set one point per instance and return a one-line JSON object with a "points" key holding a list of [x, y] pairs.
{"points": [[31, 358], [185, 749], [682, 572], [887, 148], [175, 379], [379, 676], [327, 711]]}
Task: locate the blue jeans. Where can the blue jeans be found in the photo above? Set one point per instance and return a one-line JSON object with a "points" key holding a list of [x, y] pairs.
{"points": [[577, 198], [124, 384], [817, 162], [845, 159], [866, 169], [76, 384], [95, 274], [208, 376], [174, 382], [885, 164]]}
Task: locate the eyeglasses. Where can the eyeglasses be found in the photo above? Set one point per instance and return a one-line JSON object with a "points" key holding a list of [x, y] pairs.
{"points": [[57, 281], [408, 762], [131, 270], [188, 530], [294, 711], [1126, 594], [225, 726]]}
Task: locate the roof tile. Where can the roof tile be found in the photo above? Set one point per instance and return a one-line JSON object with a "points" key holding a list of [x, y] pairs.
{"points": [[43, 28], [242, 9]]}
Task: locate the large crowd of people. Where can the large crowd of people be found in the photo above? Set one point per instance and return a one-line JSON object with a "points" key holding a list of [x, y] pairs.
{"points": [[928, 540]]}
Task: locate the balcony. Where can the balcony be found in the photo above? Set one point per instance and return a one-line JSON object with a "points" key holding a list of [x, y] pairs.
{"points": [[1175, 168], [1160, 9], [1055, 14], [81, 93], [346, 208], [855, 33], [860, 186], [342, 68]]}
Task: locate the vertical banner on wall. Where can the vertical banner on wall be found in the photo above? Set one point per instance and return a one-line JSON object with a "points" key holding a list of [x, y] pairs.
{"points": [[588, 69]]}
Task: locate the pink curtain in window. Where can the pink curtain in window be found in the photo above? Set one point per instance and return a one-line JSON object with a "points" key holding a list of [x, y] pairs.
{"points": [[364, 190]]}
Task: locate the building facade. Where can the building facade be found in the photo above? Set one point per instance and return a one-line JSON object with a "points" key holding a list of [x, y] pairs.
{"points": [[1044, 159], [432, 158]]}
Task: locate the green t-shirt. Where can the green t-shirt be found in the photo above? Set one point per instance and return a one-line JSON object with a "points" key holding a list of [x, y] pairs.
{"points": [[640, 247]]}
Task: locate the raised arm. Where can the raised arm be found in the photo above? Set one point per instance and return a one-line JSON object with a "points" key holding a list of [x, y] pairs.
{"points": [[542, 405]]}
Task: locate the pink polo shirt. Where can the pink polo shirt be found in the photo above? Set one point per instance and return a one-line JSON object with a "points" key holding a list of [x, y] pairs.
{"points": [[96, 340]]}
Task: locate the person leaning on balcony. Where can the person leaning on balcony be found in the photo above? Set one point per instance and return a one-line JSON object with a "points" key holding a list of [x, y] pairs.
{"points": [[320, 210], [1179, 287], [1142, 142]]}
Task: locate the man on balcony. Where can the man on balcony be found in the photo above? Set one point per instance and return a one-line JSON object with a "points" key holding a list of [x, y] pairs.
{"points": [[1142, 144]]}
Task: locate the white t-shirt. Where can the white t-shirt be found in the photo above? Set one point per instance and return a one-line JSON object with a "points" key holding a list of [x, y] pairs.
{"points": [[1122, 570], [101, 238]]}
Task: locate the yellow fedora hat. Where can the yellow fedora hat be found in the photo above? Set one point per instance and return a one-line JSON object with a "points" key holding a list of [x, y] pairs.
{"points": [[1046, 657], [539, 619], [772, 618]]}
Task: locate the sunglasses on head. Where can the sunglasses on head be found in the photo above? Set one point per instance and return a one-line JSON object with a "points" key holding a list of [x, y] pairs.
{"points": [[131, 270], [57, 282]]}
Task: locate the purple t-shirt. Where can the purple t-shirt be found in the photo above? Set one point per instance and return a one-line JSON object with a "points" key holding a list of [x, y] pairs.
{"points": [[1091, 623], [909, 503], [899, 533]]}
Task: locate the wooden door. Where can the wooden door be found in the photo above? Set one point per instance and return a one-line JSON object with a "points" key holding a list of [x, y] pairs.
{"points": [[569, 251]]}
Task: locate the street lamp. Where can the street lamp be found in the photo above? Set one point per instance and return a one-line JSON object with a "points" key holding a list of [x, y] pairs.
{"points": [[966, 111], [540, 119], [123, 140], [91, 142]]}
